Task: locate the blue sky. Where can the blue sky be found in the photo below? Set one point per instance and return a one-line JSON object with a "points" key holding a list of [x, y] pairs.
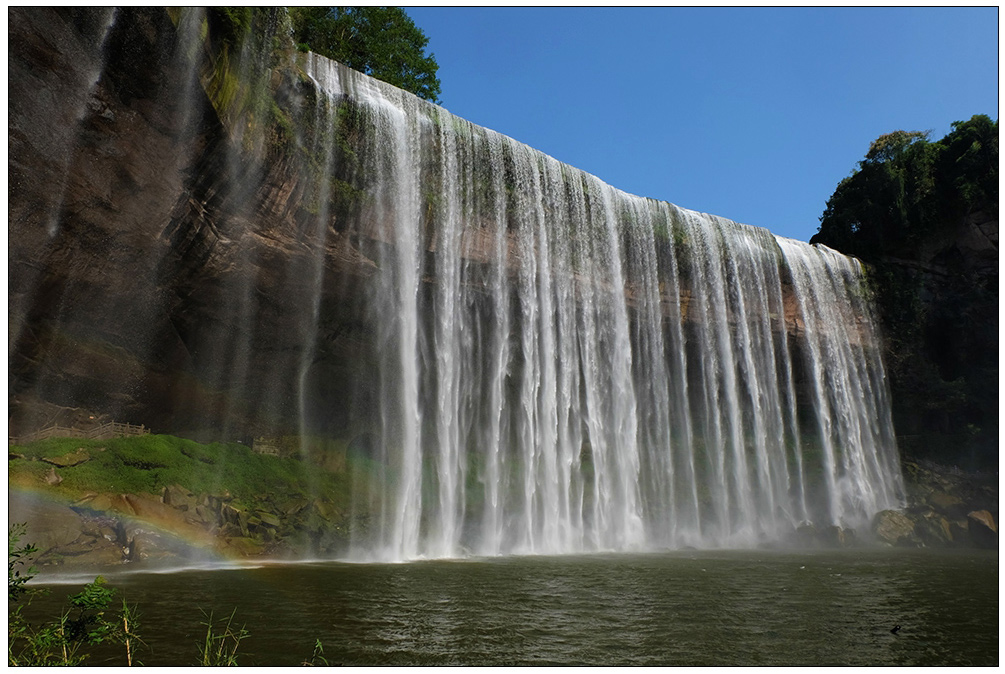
{"points": [[751, 113]]}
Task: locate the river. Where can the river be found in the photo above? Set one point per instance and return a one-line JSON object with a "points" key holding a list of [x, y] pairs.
{"points": [[658, 609]]}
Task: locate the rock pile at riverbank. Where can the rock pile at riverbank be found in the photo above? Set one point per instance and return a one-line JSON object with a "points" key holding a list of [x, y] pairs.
{"points": [[946, 507], [163, 499], [102, 529]]}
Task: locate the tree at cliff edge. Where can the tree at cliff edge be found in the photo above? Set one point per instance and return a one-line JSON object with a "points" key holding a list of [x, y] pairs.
{"points": [[382, 42]]}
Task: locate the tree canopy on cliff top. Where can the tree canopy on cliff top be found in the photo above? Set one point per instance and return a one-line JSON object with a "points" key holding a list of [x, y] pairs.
{"points": [[907, 188], [380, 41]]}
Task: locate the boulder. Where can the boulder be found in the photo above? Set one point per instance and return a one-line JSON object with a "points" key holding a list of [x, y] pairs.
{"points": [[101, 528], [268, 519], [103, 503], [216, 501], [49, 524], [324, 509], [206, 515], [960, 531], [230, 514], [85, 552], [152, 514], [894, 528], [151, 509], [148, 544], [934, 531], [81, 546], [237, 516], [805, 535], [102, 553], [229, 530], [950, 505], [243, 546], [834, 536], [982, 528], [179, 497], [293, 505]]}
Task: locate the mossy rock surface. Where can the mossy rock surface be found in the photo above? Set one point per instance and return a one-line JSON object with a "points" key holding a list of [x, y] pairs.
{"points": [[156, 489], [74, 458]]}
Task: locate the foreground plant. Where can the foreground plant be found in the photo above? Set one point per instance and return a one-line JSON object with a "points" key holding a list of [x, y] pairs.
{"points": [[88, 622], [130, 622], [17, 558], [19, 572], [84, 623], [219, 648], [318, 658]]}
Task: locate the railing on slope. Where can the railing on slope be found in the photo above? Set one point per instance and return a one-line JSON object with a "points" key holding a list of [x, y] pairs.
{"points": [[112, 429]]}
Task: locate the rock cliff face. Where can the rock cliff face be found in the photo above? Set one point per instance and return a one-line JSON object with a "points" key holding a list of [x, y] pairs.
{"points": [[133, 218], [153, 219], [940, 313]]}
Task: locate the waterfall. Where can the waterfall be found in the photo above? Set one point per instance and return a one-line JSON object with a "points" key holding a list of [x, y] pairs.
{"points": [[566, 367], [494, 352]]}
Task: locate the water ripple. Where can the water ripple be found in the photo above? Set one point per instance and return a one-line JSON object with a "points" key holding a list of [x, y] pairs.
{"points": [[698, 609]]}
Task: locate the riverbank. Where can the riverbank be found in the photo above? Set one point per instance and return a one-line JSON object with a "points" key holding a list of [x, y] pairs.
{"points": [[160, 500]]}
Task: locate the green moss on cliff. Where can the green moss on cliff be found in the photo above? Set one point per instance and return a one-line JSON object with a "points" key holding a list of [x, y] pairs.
{"points": [[147, 464]]}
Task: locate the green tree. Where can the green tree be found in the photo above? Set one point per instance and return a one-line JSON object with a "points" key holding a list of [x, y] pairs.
{"points": [[379, 41], [891, 146], [968, 165], [882, 205], [908, 188]]}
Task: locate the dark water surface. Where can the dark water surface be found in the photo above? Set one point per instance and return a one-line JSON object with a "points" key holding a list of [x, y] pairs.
{"points": [[680, 608]]}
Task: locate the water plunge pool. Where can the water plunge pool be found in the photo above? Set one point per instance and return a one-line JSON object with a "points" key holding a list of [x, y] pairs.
{"points": [[694, 608]]}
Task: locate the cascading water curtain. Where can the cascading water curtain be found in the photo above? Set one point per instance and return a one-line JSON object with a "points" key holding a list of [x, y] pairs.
{"points": [[565, 367]]}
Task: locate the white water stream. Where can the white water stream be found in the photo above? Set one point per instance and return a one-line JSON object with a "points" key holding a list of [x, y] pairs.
{"points": [[590, 370]]}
